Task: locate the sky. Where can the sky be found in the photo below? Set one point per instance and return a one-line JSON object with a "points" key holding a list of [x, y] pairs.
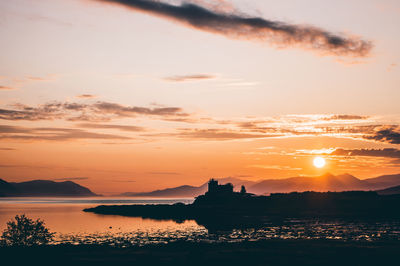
{"points": [[137, 95]]}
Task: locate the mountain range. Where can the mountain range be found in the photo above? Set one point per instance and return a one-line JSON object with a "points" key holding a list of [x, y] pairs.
{"points": [[326, 182], [186, 191], [385, 184], [389, 191], [43, 188]]}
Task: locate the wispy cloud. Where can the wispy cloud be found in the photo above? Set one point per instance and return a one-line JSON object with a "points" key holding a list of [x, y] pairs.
{"points": [[275, 167], [90, 114], [98, 111], [163, 173], [6, 88], [52, 134], [217, 134], [123, 181], [193, 77], [52, 20], [360, 127], [118, 127], [236, 25], [32, 78], [7, 149], [86, 96], [15, 83], [346, 117], [391, 67], [70, 178]]}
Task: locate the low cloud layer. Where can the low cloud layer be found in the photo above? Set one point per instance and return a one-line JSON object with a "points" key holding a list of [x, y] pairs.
{"points": [[239, 26], [89, 116], [98, 111], [217, 134]]}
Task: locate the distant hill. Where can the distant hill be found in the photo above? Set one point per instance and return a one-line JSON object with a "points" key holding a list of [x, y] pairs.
{"points": [[178, 192], [384, 181], [389, 191], [327, 182], [43, 188], [186, 191]]}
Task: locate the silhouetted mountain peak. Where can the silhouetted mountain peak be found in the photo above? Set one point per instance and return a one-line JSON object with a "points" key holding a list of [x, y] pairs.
{"points": [[41, 188], [347, 177], [327, 175]]}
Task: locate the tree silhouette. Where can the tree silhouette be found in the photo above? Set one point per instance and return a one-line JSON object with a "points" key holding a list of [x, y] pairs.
{"points": [[24, 231], [243, 190]]}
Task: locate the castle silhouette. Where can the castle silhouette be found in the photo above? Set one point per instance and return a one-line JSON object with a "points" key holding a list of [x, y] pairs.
{"points": [[227, 189], [222, 195]]}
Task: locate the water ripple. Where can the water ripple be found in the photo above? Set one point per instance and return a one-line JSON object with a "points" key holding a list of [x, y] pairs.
{"points": [[307, 229]]}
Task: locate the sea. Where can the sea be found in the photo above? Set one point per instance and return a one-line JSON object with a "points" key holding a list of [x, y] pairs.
{"points": [[65, 217]]}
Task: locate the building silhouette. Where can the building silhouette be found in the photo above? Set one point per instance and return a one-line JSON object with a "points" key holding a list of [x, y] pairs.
{"points": [[214, 188]]}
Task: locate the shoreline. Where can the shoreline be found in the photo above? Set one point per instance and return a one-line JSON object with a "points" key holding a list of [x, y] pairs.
{"points": [[229, 210], [263, 252]]}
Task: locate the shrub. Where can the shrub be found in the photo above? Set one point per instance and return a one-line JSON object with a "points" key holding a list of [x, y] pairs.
{"points": [[23, 231]]}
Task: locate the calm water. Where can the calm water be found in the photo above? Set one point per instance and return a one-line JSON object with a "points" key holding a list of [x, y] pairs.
{"points": [[65, 217]]}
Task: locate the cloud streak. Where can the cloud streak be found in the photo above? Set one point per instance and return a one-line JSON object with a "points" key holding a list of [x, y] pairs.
{"points": [[388, 152], [98, 111], [52, 134], [86, 96], [194, 77], [6, 88], [163, 173], [236, 25], [389, 135], [118, 127], [346, 117], [70, 178], [200, 128]]}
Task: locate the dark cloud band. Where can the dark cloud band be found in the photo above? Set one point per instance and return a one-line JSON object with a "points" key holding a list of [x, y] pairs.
{"points": [[389, 135], [239, 26], [388, 152]]}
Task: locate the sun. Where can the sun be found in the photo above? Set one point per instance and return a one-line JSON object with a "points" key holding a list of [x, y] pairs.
{"points": [[319, 162]]}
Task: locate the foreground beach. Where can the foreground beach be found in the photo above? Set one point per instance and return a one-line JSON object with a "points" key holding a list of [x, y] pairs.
{"points": [[269, 252]]}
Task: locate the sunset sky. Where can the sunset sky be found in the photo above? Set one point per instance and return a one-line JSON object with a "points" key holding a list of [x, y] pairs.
{"points": [[136, 95]]}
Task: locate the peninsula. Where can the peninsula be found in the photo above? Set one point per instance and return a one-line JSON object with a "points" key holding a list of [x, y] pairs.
{"points": [[221, 207]]}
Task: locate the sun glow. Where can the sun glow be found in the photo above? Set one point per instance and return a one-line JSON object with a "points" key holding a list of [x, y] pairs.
{"points": [[319, 162]]}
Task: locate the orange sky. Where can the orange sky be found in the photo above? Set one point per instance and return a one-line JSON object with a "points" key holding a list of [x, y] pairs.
{"points": [[121, 99]]}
